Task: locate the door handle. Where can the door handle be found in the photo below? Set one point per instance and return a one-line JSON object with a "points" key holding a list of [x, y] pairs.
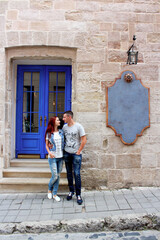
{"points": [[45, 120], [40, 121]]}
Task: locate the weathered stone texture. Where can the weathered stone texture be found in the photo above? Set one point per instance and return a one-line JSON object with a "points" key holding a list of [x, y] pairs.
{"points": [[95, 37]]}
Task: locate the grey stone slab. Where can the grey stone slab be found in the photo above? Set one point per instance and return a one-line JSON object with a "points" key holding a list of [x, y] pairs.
{"points": [[3, 196], [37, 201], [140, 211], [4, 207], [2, 218], [3, 213], [45, 217], [6, 202], [90, 209], [46, 206], [151, 210], [68, 210], [41, 195], [35, 212], [13, 213], [102, 208], [124, 206], [8, 219], [12, 196], [22, 196], [58, 211], [128, 212], [132, 200], [113, 207], [33, 217], [27, 201], [21, 218], [48, 211], [14, 206], [31, 196], [135, 205], [24, 212], [25, 206], [36, 206], [57, 217]]}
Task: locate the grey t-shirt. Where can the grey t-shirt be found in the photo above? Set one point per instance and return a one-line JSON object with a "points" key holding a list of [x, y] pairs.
{"points": [[73, 136]]}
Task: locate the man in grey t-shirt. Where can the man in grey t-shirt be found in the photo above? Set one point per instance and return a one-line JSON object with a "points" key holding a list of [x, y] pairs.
{"points": [[75, 140]]}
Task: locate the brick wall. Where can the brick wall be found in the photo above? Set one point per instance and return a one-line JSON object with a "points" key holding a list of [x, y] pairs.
{"points": [[101, 32]]}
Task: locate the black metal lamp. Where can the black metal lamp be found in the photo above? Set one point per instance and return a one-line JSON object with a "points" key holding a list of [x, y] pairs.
{"points": [[132, 53]]}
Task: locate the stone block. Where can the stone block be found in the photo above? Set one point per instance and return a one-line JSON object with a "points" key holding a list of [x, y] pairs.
{"points": [[121, 27], [39, 38], [12, 39], [2, 23], [20, 25], [52, 15], [18, 4], [149, 160], [94, 178], [106, 161], [84, 67], [12, 14], [90, 96], [80, 39], [28, 14], [43, 4], [153, 37], [39, 26], [65, 4], [54, 38], [67, 39], [90, 107], [92, 55], [3, 6], [115, 176], [144, 27], [145, 18], [26, 38], [96, 40], [126, 161], [139, 177], [106, 27], [117, 56], [114, 45]]}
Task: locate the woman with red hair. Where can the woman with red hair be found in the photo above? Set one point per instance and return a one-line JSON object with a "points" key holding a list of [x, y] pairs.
{"points": [[55, 139]]}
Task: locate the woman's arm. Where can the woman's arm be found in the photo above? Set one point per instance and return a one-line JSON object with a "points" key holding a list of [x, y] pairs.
{"points": [[48, 150]]}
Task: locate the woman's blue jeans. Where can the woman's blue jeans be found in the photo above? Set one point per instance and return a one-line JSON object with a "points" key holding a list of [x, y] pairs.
{"points": [[73, 162], [55, 165]]}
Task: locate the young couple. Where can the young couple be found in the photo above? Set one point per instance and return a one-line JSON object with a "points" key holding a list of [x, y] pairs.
{"points": [[72, 139]]}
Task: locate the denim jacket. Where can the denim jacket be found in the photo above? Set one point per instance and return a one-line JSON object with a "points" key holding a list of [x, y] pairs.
{"points": [[53, 142]]}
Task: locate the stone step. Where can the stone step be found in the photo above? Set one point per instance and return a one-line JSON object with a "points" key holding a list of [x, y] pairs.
{"points": [[29, 163], [29, 184], [30, 172]]}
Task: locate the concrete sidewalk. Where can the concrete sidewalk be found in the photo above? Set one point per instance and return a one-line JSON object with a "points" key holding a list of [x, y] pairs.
{"points": [[99, 209]]}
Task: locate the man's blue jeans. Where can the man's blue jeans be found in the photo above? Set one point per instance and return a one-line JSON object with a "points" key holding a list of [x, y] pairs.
{"points": [[55, 165], [73, 163]]}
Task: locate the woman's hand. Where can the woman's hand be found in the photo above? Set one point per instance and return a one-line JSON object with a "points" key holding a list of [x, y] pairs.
{"points": [[51, 155]]}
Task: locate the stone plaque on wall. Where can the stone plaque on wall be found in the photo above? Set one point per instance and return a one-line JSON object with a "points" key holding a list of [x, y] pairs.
{"points": [[128, 107]]}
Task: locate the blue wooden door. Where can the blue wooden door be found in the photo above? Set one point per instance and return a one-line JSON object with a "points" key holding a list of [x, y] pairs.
{"points": [[42, 92]]}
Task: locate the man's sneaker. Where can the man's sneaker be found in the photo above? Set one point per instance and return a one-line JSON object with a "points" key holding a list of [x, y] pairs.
{"points": [[79, 200], [49, 195], [70, 195], [56, 198]]}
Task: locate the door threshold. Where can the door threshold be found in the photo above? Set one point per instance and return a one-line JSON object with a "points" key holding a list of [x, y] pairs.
{"points": [[29, 156]]}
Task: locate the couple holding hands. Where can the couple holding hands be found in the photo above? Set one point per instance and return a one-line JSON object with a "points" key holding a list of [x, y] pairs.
{"points": [[65, 144]]}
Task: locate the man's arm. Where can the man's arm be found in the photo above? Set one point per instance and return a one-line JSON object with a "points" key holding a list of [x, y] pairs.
{"points": [[83, 142]]}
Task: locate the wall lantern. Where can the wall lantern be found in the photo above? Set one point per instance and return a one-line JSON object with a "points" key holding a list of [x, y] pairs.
{"points": [[132, 53]]}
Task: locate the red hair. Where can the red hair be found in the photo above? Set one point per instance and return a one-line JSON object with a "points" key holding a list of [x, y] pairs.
{"points": [[51, 127]]}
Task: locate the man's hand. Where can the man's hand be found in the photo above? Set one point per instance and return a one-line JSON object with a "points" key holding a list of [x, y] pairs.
{"points": [[50, 145], [51, 155]]}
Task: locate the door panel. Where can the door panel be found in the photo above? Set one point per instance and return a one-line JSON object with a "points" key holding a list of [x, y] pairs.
{"points": [[42, 92]]}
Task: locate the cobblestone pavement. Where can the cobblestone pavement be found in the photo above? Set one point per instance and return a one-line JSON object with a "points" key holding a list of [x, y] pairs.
{"points": [[144, 235], [17, 208]]}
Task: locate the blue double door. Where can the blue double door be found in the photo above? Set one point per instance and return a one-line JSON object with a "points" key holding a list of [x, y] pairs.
{"points": [[42, 92]]}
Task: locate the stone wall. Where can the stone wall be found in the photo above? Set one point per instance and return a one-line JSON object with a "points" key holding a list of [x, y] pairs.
{"points": [[100, 32]]}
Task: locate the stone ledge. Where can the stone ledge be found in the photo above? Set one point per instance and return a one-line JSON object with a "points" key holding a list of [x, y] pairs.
{"points": [[117, 223]]}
